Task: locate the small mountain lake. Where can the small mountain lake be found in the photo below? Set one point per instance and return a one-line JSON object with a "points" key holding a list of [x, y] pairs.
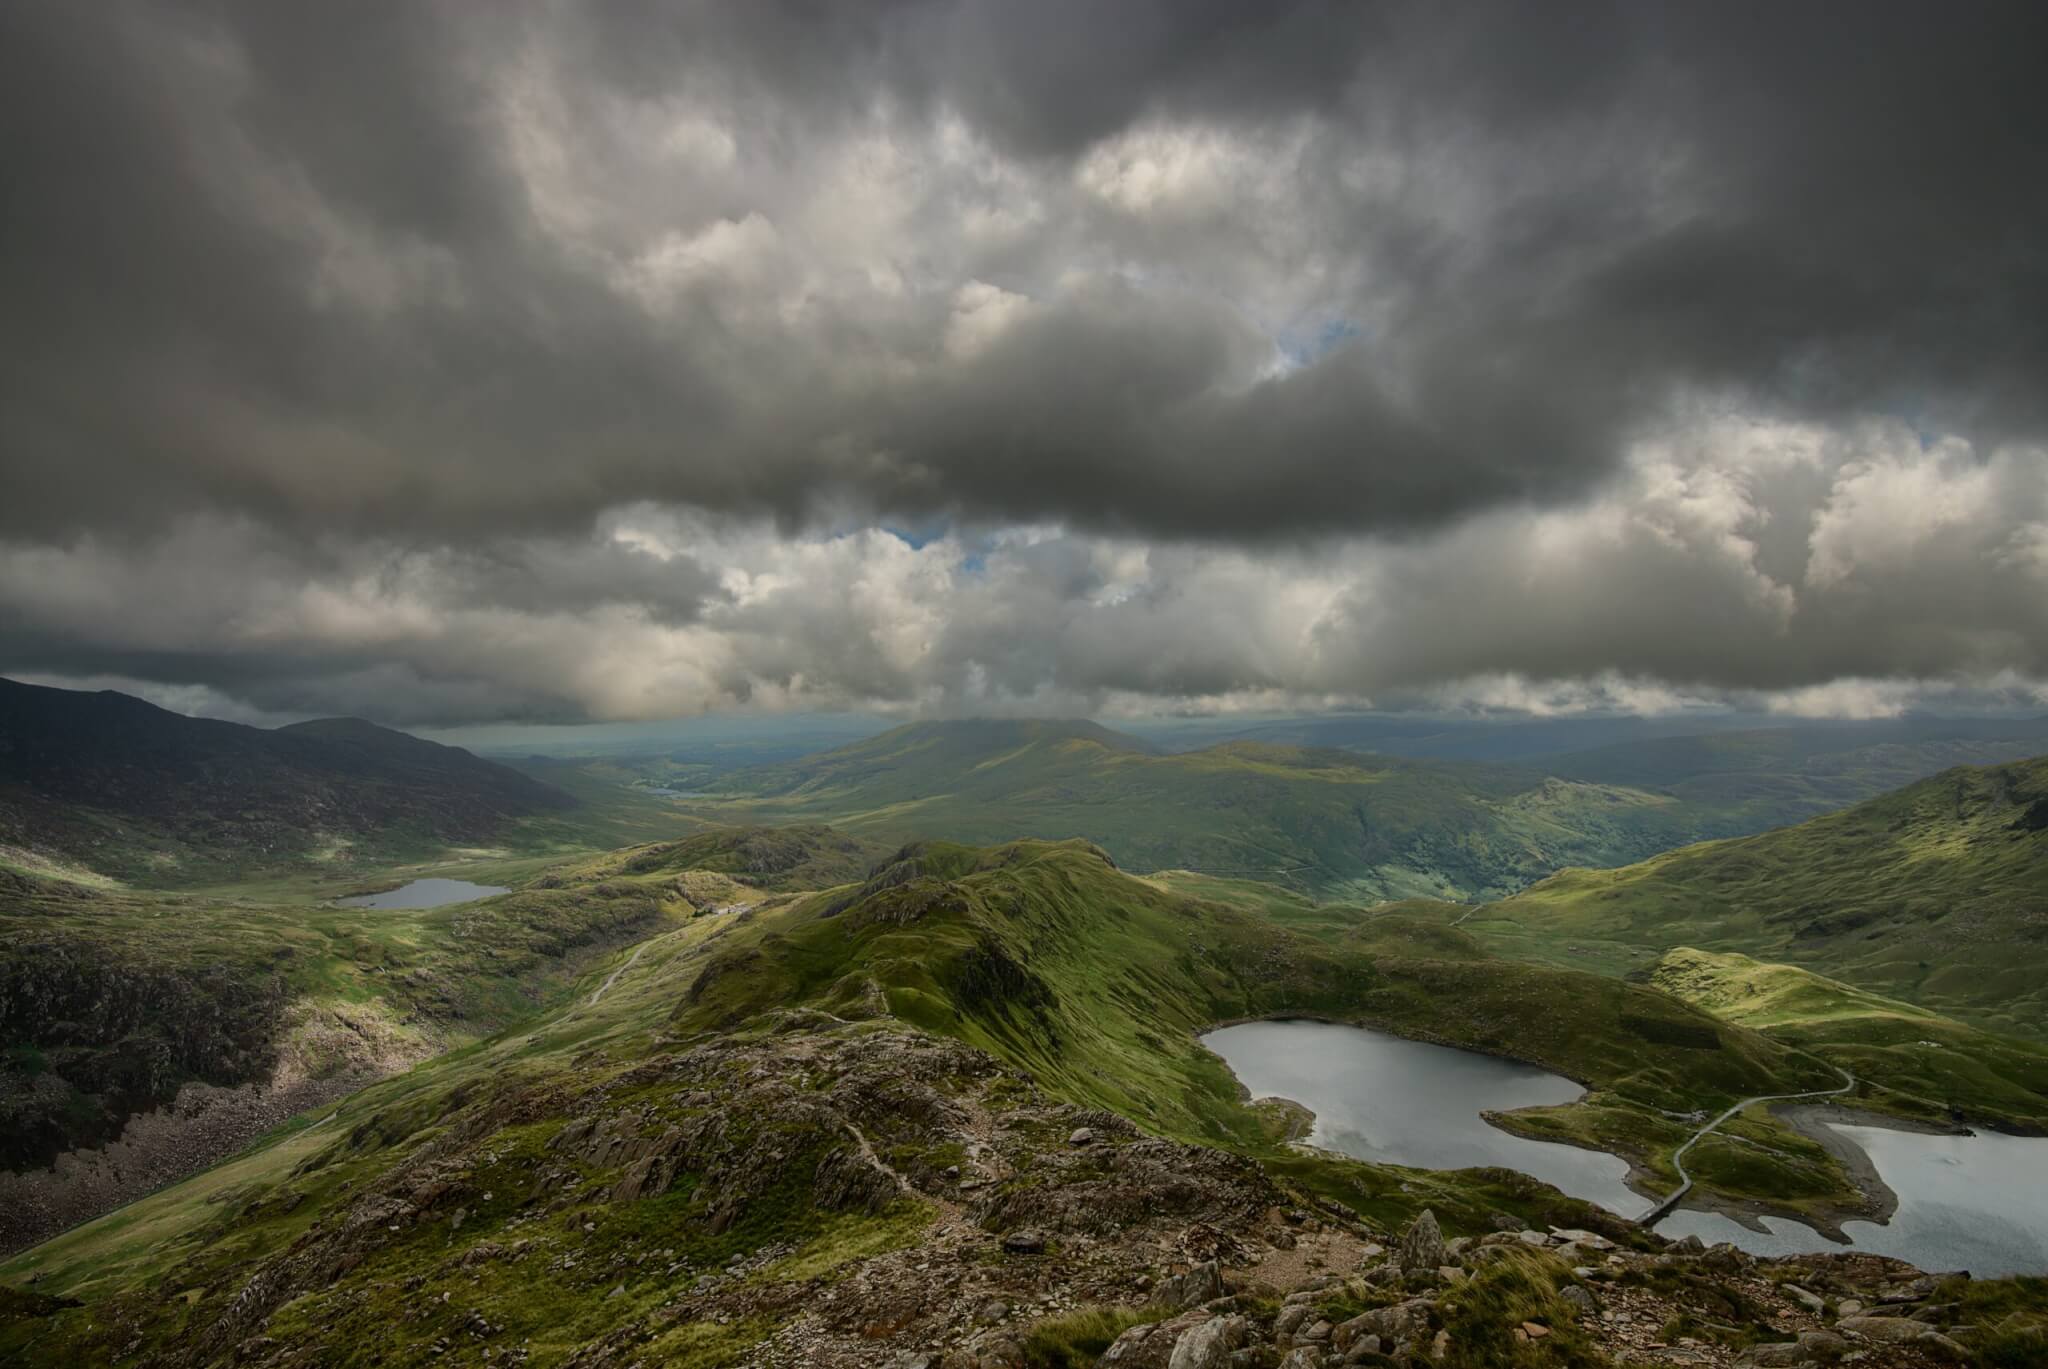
{"points": [[424, 893], [1395, 1101], [1965, 1202]]}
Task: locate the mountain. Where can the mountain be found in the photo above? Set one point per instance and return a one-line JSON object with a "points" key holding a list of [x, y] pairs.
{"points": [[1340, 824], [133, 790], [1936, 894], [952, 1110]]}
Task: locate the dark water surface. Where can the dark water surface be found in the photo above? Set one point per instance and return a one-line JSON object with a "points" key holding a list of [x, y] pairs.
{"points": [[424, 893], [1965, 1202], [1384, 1098]]}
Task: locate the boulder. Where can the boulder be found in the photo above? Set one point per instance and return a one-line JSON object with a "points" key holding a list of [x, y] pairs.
{"points": [[1884, 1330], [1911, 1290], [1812, 1302], [1580, 1236], [1303, 1357], [1423, 1246], [1942, 1347], [1197, 1286], [1402, 1321], [1082, 1136], [1363, 1347], [1024, 1242], [1149, 1346], [1825, 1346], [1208, 1346]]}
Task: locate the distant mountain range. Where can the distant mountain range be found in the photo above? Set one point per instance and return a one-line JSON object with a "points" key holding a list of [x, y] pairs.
{"points": [[129, 789], [1347, 824]]}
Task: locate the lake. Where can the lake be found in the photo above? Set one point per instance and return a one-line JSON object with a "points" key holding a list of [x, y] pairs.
{"points": [[1965, 1202], [424, 893], [1395, 1101]]}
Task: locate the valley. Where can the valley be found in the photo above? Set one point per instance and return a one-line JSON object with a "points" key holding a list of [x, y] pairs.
{"points": [[671, 1095]]}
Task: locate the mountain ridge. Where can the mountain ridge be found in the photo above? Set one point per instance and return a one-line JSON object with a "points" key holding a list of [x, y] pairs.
{"points": [[132, 789]]}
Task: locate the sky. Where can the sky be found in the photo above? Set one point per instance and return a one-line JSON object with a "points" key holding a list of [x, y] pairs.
{"points": [[542, 363]]}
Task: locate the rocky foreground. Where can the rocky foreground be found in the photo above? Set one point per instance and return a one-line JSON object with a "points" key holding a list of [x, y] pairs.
{"points": [[827, 1194], [1587, 1299]]}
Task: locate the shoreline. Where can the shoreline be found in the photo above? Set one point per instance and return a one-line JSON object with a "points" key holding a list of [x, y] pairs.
{"points": [[1811, 1120]]}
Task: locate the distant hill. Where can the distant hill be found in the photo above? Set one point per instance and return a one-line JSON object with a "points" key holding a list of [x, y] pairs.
{"points": [[1936, 894], [1338, 823], [1785, 774], [134, 790]]}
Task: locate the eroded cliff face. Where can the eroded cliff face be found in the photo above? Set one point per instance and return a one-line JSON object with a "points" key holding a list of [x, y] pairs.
{"points": [[95, 1036], [322, 1052]]}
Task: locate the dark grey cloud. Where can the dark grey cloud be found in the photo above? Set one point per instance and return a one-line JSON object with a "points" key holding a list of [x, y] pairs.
{"points": [[295, 261], [351, 353]]}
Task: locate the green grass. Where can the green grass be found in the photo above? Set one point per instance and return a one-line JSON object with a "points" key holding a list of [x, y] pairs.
{"points": [[1924, 1065], [1091, 980], [1077, 1340], [1933, 895], [1098, 984]]}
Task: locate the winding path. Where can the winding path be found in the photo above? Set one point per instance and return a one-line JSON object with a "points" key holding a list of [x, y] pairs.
{"points": [[614, 978], [1663, 1209]]}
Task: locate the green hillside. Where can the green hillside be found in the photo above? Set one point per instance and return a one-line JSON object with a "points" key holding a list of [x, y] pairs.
{"points": [[1936, 894], [1336, 823], [735, 1055], [1929, 1065]]}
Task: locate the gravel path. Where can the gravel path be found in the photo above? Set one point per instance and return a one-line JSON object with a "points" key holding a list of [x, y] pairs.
{"points": [[614, 977], [1663, 1209]]}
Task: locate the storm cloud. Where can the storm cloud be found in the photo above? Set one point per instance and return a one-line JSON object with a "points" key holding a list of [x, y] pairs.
{"points": [[446, 362]]}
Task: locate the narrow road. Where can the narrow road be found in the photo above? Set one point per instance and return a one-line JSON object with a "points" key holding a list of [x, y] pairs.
{"points": [[614, 978], [1663, 1209]]}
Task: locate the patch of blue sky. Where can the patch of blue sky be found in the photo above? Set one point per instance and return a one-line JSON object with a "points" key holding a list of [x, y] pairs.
{"points": [[1299, 348]]}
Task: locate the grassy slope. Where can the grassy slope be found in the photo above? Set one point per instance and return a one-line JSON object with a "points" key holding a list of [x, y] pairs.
{"points": [[1334, 822], [1936, 894], [1097, 983], [1093, 981], [1927, 1064]]}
